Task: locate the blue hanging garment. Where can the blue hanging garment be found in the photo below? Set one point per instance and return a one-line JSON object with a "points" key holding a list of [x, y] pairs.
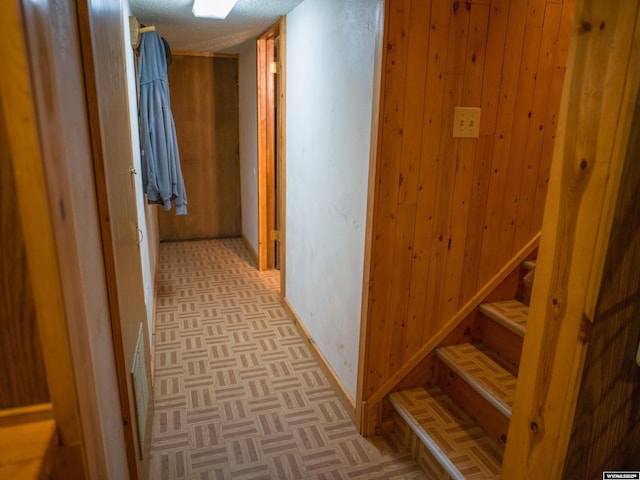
{"points": [[161, 174]]}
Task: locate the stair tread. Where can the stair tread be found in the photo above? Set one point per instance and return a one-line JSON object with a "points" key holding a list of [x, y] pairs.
{"points": [[511, 314], [529, 264], [459, 444], [473, 364]]}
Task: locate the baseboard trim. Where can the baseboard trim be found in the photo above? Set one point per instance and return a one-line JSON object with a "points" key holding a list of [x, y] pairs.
{"points": [[249, 247], [152, 344], [343, 395]]}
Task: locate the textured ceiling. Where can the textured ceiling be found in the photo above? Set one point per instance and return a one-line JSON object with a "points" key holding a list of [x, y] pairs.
{"points": [[175, 22]]}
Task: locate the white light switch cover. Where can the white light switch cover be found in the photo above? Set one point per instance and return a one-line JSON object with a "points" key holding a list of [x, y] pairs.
{"points": [[466, 122]]}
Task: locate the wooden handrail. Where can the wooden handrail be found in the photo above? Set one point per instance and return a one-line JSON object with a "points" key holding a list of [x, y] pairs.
{"points": [[448, 327]]}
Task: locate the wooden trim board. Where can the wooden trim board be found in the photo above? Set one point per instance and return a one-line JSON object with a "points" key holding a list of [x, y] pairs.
{"points": [[376, 121]]}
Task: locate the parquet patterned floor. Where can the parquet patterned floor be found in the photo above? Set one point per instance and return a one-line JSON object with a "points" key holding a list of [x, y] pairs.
{"points": [[238, 395]]}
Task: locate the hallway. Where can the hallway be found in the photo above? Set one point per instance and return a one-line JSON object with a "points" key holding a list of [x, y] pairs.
{"points": [[237, 392]]}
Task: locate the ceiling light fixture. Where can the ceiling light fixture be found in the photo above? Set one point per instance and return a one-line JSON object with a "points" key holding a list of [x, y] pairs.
{"points": [[212, 8]]}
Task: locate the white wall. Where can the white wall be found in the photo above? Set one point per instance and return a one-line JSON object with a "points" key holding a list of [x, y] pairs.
{"points": [[147, 261], [330, 67], [248, 121]]}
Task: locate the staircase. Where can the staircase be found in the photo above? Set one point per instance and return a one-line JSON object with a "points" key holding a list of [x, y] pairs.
{"points": [[456, 427]]}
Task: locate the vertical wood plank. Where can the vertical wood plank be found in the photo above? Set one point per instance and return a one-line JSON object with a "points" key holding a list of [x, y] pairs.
{"points": [[541, 106], [504, 127], [551, 122], [444, 192], [458, 33], [492, 69], [493, 64], [536, 12], [262, 95], [271, 160], [518, 160], [415, 86], [387, 173], [475, 55], [465, 159], [433, 123], [400, 288]]}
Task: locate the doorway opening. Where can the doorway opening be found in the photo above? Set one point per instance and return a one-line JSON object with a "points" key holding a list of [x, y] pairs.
{"points": [[271, 149]]}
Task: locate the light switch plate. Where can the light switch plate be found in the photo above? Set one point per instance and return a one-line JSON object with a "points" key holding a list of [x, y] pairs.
{"points": [[466, 122]]}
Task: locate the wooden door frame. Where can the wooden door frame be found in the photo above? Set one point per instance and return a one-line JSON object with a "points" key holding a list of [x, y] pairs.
{"points": [[95, 26], [267, 128]]}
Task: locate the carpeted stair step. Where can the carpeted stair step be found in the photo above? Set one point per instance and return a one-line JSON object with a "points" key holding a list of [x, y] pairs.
{"points": [[511, 314], [489, 379], [442, 437]]}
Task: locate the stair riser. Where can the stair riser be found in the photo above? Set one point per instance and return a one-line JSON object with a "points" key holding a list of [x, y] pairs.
{"points": [[483, 413], [525, 288], [502, 341], [507, 289]]}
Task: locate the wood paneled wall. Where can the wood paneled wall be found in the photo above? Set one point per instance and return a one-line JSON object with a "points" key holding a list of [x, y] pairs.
{"points": [[204, 101], [449, 213], [23, 379]]}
